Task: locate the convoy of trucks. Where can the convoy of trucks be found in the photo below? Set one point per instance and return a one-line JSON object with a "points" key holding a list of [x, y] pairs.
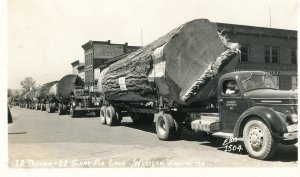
{"points": [[177, 81]]}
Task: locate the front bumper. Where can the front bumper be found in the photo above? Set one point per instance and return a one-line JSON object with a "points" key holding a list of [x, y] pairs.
{"points": [[290, 136]]}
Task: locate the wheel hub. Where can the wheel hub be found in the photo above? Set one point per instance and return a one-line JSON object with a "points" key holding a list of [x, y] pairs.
{"points": [[256, 137]]}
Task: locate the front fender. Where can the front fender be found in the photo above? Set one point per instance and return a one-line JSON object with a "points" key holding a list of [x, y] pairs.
{"points": [[273, 119]]}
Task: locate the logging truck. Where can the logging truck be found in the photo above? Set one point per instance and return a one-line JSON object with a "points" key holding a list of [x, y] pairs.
{"points": [[83, 101], [185, 78], [256, 112], [69, 96], [59, 96]]}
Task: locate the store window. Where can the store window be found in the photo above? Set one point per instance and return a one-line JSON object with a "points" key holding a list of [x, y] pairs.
{"points": [[271, 54], [294, 82], [276, 79], [294, 55], [245, 53]]}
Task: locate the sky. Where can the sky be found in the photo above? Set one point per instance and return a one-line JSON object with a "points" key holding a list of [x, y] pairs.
{"points": [[45, 36]]}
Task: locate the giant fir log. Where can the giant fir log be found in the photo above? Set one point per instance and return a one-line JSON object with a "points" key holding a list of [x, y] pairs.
{"points": [[182, 67], [67, 84]]}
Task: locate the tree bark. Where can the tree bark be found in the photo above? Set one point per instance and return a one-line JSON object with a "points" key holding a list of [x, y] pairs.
{"points": [[177, 66]]}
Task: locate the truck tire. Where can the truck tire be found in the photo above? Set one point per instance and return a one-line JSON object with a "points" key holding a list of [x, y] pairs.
{"points": [[112, 117], [60, 109], [166, 127], [258, 140], [72, 112], [103, 115], [64, 109], [47, 108], [43, 107], [50, 108]]}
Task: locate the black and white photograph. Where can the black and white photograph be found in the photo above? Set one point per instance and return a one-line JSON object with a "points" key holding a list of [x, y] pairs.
{"points": [[160, 87]]}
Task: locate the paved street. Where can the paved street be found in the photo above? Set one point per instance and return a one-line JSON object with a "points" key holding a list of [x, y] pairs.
{"points": [[39, 139]]}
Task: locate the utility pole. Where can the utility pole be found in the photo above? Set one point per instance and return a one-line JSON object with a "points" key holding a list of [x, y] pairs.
{"points": [[270, 16]]}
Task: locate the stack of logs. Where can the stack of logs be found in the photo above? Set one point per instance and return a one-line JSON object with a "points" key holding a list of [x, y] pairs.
{"points": [[182, 67]]}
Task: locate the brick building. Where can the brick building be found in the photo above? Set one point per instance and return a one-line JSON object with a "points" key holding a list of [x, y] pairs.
{"points": [[267, 49], [98, 52], [78, 68]]}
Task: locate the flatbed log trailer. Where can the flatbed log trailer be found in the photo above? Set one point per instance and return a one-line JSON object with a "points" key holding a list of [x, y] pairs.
{"points": [[256, 112], [260, 115]]}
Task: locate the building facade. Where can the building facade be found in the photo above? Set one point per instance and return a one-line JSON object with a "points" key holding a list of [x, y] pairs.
{"points": [[266, 49], [98, 52], [78, 69]]}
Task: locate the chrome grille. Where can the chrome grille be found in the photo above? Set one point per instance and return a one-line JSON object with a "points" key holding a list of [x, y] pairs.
{"points": [[87, 102]]}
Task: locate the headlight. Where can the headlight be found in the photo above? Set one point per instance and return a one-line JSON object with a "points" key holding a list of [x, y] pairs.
{"points": [[294, 118], [292, 128], [74, 104]]}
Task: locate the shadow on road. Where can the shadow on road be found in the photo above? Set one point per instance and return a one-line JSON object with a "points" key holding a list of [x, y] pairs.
{"points": [[146, 128], [284, 153], [17, 133]]}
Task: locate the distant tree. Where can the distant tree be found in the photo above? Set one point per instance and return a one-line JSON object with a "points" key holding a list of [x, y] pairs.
{"points": [[28, 83], [9, 93]]}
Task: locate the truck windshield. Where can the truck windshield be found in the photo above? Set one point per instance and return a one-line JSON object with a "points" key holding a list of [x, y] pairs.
{"points": [[254, 82], [82, 92]]}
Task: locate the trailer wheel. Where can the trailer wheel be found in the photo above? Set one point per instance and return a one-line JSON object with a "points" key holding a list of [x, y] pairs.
{"points": [[47, 108], [258, 140], [112, 117], [166, 127], [60, 109], [52, 108], [103, 115], [43, 107], [64, 109], [72, 112]]}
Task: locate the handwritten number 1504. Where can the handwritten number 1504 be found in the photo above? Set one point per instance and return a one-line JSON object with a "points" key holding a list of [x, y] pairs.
{"points": [[232, 148]]}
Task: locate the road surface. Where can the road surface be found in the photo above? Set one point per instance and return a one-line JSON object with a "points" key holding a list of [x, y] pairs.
{"points": [[39, 139]]}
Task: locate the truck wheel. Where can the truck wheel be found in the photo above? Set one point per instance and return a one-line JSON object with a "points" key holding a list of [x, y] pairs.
{"points": [[43, 107], [60, 109], [72, 112], [166, 127], [258, 140], [64, 109], [103, 115], [50, 108], [112, 117], [47, 108]]}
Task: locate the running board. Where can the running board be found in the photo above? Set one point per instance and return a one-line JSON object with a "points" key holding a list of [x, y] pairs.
{"points": [[223, 134]]}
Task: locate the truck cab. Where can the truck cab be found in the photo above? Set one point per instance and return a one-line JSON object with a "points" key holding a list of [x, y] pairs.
{"points": [[84, 101], [253, 109]]}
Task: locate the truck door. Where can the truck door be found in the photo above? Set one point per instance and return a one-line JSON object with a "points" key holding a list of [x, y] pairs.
{"points": [[231, 104]]}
